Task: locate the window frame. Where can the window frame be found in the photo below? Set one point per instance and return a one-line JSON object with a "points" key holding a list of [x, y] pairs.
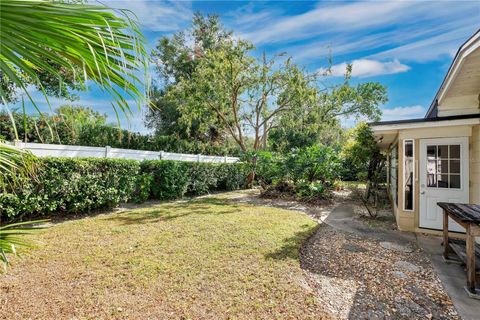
{"points": [[413, 174], [449, 174]]}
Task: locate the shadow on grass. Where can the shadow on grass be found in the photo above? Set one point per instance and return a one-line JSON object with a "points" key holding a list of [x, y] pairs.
{"points": [[291, 246], [174, 210]]}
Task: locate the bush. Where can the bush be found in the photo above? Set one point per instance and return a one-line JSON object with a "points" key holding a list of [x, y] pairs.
{"points": [[307, 173], [172, 179], [75, 185], [315, 163], [270, 168], [169, 178], [71, 185]]}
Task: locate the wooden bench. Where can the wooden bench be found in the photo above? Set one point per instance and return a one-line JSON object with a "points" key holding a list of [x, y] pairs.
{"points": [[468, 216]]}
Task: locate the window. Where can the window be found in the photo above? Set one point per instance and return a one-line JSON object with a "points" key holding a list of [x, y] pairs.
{"points": [[443, 166], [394, 172], [408, 174]]}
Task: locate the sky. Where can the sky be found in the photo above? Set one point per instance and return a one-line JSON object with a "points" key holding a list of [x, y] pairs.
{"points": [[405, 45]]}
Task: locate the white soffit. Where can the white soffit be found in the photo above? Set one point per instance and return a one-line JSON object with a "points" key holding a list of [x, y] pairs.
{"points": [[387, 128]]}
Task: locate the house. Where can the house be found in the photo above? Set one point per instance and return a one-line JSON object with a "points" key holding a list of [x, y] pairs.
{"points": [[437, 158]]}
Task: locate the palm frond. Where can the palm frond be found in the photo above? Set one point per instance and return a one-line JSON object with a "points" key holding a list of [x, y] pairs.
{"points": [[15, 163], [106, 45], [13, 240]]}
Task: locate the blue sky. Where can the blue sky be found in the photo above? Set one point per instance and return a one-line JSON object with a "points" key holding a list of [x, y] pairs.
{"points": [[405, 45]]}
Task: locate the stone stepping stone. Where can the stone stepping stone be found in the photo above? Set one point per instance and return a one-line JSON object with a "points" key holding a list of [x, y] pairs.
{"points": [[396, 247], [400, 275], [353, 247], [405, 265]]}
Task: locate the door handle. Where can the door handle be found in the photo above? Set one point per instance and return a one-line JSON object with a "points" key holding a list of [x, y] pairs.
{"points": [[423, 192]]}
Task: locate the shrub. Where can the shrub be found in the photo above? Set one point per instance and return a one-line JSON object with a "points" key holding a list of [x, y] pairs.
{"points": [[169, 178], [315, 163], [308, 173], [71, 185], [310, 190], [172, 179], [270, 168], [143, 186], [74, 185], [232, 176]]}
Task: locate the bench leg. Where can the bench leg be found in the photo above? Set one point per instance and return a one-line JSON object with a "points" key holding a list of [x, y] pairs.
{"points": [[446, 246], [470, 242]]}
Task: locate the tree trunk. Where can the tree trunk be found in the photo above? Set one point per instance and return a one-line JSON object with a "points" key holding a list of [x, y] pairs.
{"points": [[251, 175]]}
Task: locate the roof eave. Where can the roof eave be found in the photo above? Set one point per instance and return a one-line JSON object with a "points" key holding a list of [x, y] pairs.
{"points": [[431, 112]]}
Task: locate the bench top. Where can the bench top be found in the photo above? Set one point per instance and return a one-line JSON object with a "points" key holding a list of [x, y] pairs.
{"points": [[469, 213]]}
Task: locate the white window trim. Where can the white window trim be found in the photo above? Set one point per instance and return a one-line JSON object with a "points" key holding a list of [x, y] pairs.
{"points": [[403, 174]]}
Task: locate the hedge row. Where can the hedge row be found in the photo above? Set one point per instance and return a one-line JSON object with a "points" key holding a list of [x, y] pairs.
{"points": [[75, 185]]}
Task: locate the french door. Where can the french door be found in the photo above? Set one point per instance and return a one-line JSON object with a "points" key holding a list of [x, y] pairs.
{"points": [[444, 177]]}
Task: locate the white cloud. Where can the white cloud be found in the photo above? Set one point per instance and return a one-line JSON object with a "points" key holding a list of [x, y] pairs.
{"points": [[399, 113], [326, 18], [406, 30], [430, 48], [368, 68], [157, 15]]}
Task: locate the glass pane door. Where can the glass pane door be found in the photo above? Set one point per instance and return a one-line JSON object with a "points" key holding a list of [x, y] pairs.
{"points": [[443, 166]]}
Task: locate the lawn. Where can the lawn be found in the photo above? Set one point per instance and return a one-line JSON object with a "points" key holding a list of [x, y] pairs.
{"points": [[202, 258]]}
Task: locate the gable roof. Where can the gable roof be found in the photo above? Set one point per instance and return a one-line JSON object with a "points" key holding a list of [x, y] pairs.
{"points": [[432, 111]]}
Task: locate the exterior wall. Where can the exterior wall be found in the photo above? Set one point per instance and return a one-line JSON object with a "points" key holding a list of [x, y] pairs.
{"points": [[406, 219], [465, 104], [475, 165], [409, 220], [392, 166]]}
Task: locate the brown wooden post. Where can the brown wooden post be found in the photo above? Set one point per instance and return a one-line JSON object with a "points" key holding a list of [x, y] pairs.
{"points": [[446, 246], [470, 260]]}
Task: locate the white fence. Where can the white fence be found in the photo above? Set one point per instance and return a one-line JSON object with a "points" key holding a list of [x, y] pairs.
{"points": [[59, 150]]}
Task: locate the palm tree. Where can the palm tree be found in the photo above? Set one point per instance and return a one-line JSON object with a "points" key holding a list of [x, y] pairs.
{"points": [[93, 43]]}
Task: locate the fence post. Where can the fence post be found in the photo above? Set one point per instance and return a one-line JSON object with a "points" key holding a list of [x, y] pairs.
{"points": [[107, 151], [225, 159], [161, 155], [198, 158], [17, 143]]}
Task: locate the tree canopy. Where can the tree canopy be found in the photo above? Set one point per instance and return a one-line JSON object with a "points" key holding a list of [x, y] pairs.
{"points": [[176, 58]]}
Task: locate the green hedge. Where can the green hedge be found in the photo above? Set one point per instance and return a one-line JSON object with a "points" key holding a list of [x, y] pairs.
{"points": [[75, 185], [173, 179]]}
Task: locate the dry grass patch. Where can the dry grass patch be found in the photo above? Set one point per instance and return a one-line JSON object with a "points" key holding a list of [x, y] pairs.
{"points": [[205, 258]]}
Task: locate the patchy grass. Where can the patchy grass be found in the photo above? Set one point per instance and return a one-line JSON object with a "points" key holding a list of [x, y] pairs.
{"points": [[204, 258], [352, 184]]}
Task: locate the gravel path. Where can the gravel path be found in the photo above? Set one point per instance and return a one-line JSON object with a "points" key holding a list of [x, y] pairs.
{"points": [[357, 278], [364, 272]]}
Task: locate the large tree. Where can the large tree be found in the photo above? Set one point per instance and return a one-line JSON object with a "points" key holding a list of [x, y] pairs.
{"points": [[245, 94], [252, 96], [321, 121], [176, 58]]}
